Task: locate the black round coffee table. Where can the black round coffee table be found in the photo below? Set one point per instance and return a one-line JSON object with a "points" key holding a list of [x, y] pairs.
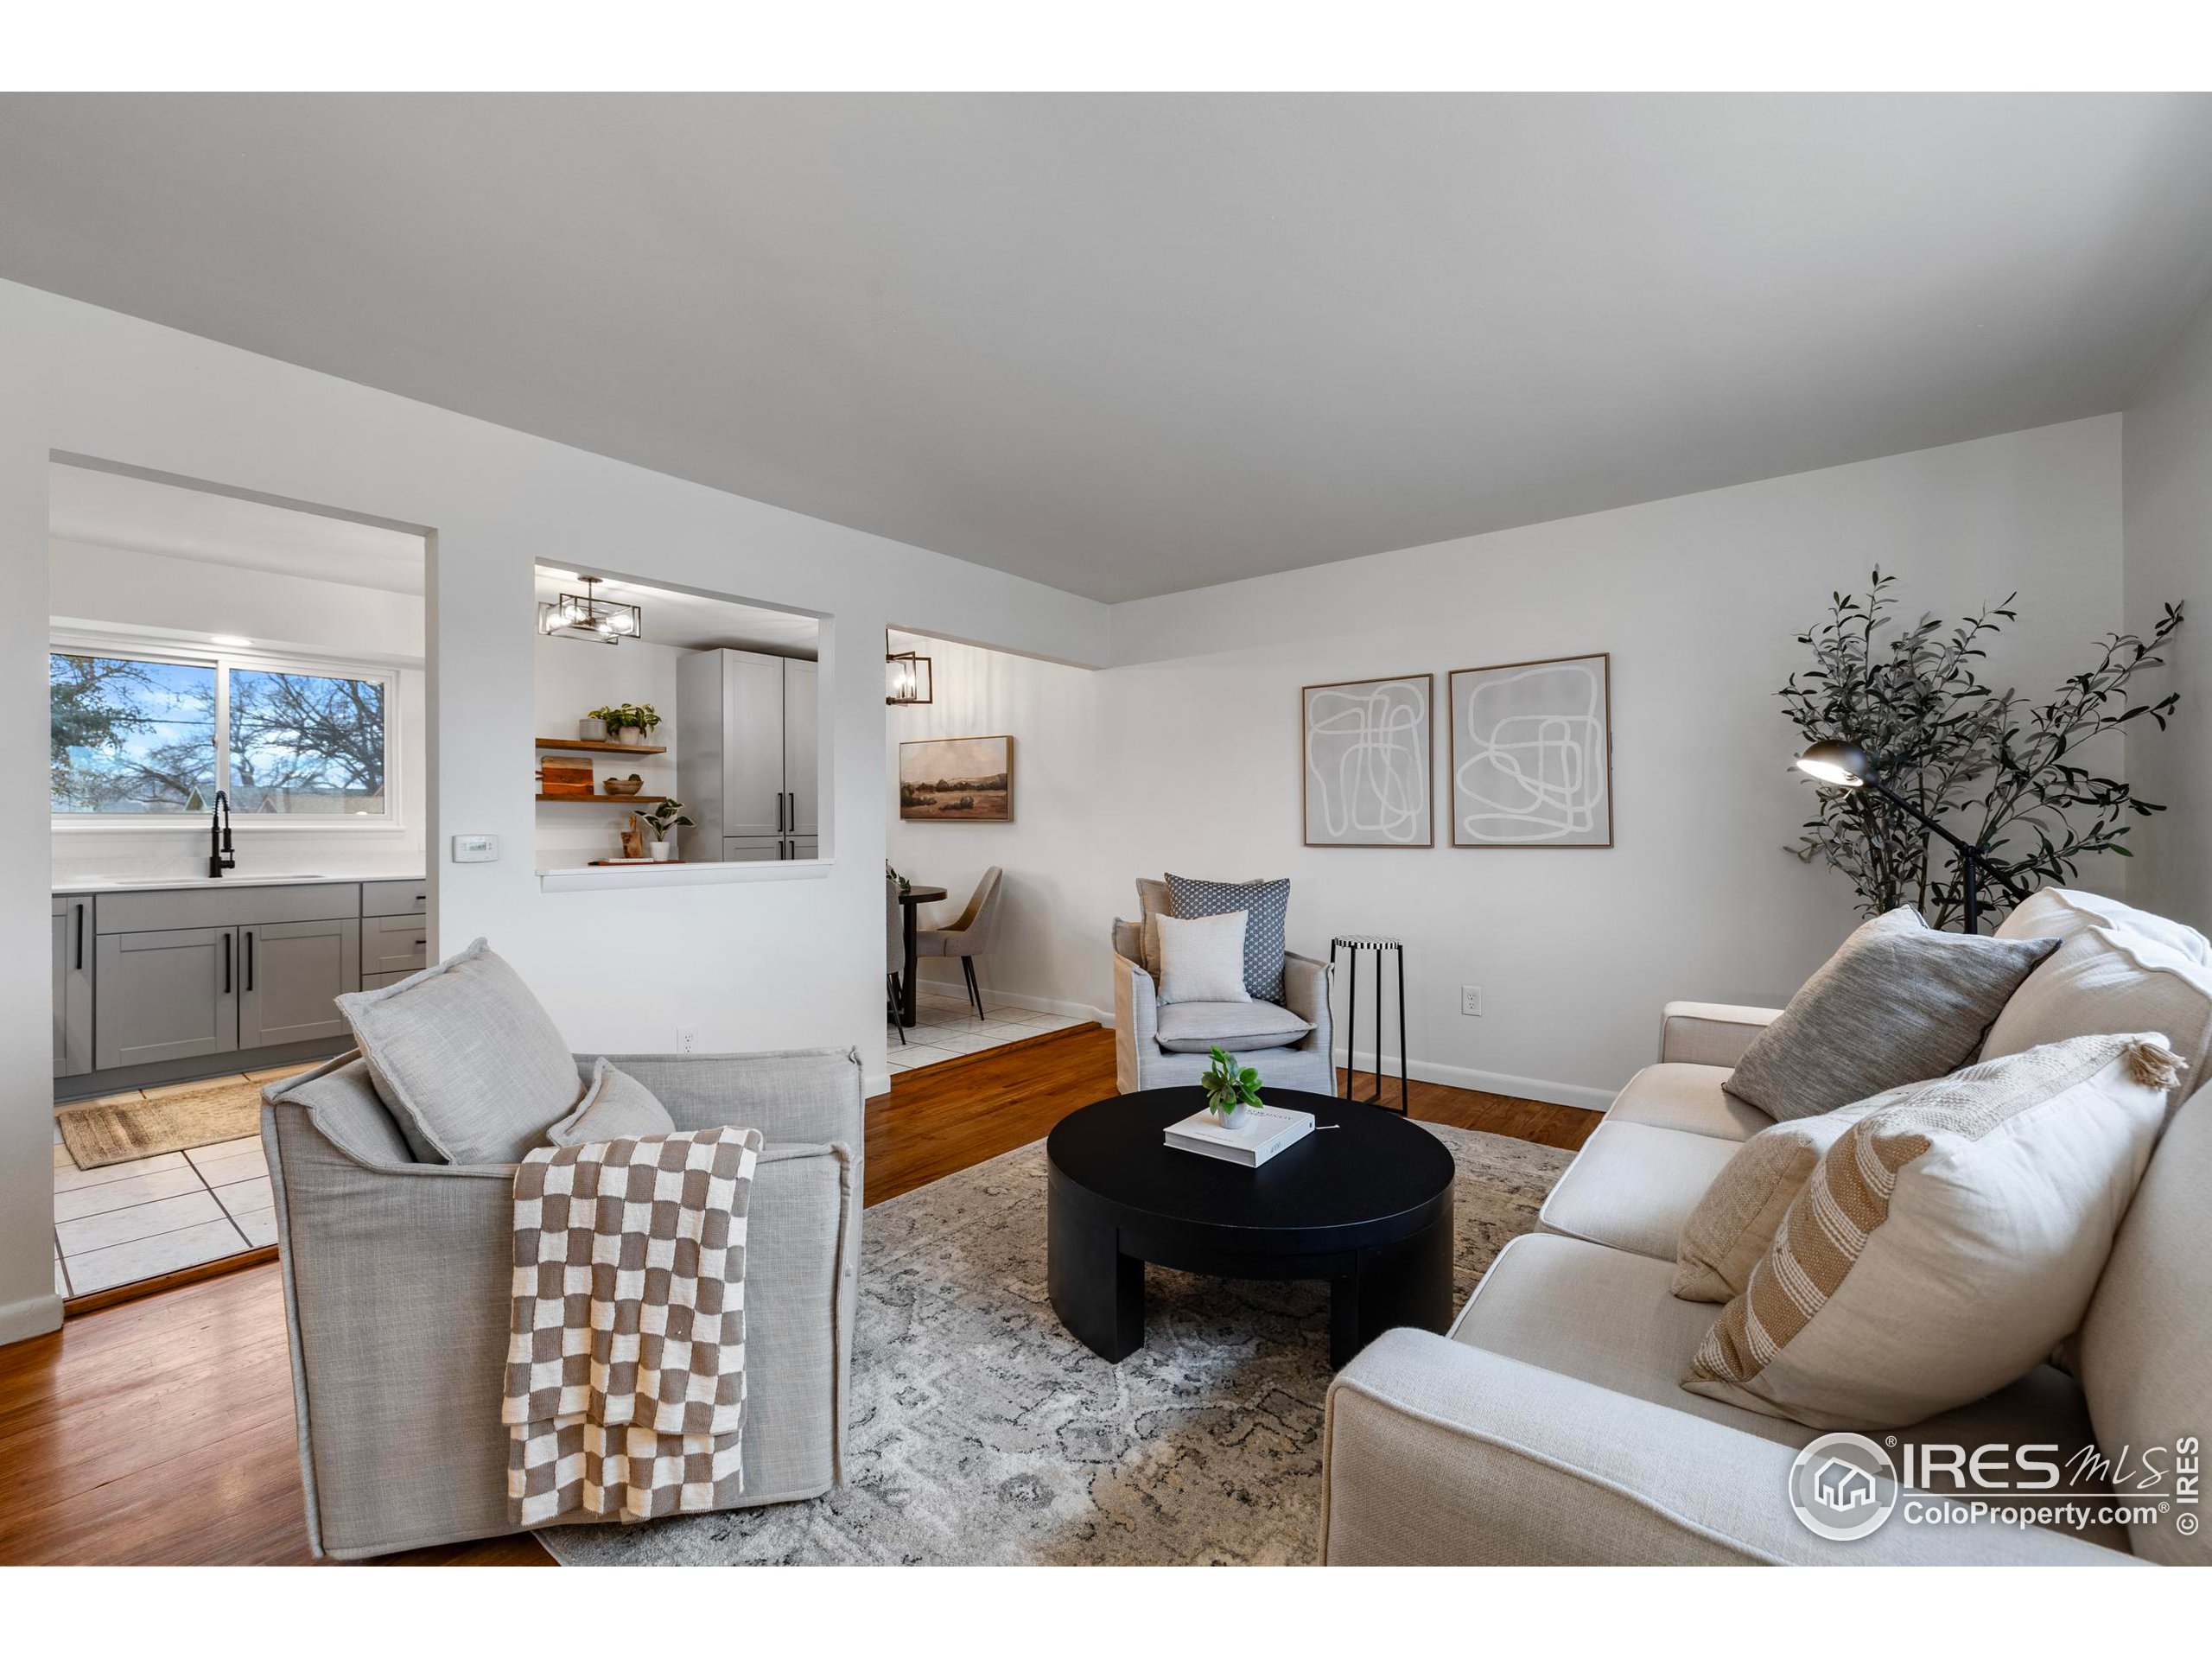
{"points": [[1364, 1203]]}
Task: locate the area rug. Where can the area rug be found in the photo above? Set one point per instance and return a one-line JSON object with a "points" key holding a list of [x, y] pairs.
{"points": [[982, 1433], [115, 1132]]}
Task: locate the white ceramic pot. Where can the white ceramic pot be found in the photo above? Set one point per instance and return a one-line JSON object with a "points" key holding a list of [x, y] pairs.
{"points": [[1233, 1120], [631, 734], [592, 731], [662, 851]]}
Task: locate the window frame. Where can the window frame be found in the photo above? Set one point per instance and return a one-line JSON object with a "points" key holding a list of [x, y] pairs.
{"points": [[79, 642]]}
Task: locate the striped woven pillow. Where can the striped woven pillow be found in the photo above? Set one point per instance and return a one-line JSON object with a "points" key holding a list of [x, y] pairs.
{"points": [[1947, 1242]]}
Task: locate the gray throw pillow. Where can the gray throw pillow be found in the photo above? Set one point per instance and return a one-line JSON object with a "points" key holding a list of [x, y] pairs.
{"points": [[1266, 906], [1897, 1003], [1154, 901], [616, 1107], [467, 1060]]}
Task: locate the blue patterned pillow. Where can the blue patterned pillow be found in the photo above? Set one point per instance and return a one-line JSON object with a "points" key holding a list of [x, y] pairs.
{"points": [[1266, 905]]}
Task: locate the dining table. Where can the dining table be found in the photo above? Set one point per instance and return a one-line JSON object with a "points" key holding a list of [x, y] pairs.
{"points": [[909, 984]]}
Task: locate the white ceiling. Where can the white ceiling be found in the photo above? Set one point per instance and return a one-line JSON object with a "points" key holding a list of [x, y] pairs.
{"points": [[693, 621], [1130, 344], [115, 509]]}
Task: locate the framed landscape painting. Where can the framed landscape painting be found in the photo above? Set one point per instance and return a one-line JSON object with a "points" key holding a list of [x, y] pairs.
{"points": [[956, 779], [1365, 748], [1532, 753]]}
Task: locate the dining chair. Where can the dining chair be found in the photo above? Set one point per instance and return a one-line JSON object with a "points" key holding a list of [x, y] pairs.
{"points": [[894, 960], [970, 937]]}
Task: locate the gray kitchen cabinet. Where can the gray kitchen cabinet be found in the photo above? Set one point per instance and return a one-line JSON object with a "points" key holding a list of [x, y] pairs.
{"points": [[394, 944], [749, 771], [170, 995], [72, 985], [802, 756], [395, 898], [290, 975], [154, 910]]}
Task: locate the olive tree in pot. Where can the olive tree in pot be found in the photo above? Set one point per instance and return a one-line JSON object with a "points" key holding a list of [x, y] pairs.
{"points": [[2012, 778]]}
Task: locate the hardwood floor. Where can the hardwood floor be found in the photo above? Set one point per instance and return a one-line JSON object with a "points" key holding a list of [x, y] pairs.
{"points": [[160, 1431]]}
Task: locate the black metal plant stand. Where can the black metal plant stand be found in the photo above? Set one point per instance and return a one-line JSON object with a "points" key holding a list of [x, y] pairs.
{"points": [[1355, 945]]}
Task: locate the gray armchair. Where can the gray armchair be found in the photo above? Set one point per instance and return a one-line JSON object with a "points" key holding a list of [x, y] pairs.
{"points": [[1142, 1061], [397, 1279]]}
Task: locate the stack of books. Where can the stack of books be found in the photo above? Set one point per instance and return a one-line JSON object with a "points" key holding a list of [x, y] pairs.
{"points": [[1263, 1132]]}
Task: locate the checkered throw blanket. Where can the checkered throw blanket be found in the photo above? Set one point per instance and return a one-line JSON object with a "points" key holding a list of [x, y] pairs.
{"points": [[625, 1359]]}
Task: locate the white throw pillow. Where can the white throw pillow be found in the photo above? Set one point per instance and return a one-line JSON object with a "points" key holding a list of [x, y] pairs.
{"points": [[2103, 982], [1202, 959], [1947, 1242], [2062, 913]]}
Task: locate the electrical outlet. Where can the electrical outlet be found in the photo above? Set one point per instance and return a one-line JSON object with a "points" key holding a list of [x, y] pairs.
{"points": [[687, 1040], [1471, 1001]]}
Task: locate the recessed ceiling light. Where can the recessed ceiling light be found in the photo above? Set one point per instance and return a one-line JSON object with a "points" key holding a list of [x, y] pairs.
{"points": [[228, 640]]}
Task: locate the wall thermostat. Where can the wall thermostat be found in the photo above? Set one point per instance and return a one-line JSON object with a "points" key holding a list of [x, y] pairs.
{"points": [[476, 850]]}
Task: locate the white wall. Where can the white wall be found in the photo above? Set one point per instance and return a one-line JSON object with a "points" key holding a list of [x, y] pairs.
{"points": [[1191, 763], [1050, 946], [2168, 490], [758, 965], [573, 677], [1698, 599], [193, 597]]}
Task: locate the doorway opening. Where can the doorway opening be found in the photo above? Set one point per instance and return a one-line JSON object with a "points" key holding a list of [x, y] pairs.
{"points": [[239, 710]]}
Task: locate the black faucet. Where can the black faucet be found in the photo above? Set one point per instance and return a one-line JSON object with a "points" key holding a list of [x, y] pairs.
{"points": [[220, 856]]}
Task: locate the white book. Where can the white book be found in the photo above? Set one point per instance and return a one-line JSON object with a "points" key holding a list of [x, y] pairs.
{"points": [[1265, 1131]]}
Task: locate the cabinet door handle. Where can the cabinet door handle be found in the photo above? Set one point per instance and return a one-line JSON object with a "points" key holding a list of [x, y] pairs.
{"points": [[226, 964], [81, 909], [248, 959]]}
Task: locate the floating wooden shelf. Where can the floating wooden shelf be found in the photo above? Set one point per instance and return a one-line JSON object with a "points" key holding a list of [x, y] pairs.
{"points": [[607, 800], [593, 746]]}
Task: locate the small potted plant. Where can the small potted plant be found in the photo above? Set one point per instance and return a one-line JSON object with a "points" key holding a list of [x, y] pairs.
{"points": [[1231, 1090], [628, 722], [663, 817]]}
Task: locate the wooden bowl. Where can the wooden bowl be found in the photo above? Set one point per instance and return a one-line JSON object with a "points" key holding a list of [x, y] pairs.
{"points": [[629, 785]]}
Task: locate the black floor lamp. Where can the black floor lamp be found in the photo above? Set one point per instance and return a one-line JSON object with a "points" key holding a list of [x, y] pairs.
{"points": [[1845, 765]]}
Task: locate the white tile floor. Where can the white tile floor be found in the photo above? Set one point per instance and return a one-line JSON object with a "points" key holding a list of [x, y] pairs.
{"points": [[139, 1220], [946, 1028]]}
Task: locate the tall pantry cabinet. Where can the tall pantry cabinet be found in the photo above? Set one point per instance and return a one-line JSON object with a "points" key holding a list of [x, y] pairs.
{"points": [[747, 773]]}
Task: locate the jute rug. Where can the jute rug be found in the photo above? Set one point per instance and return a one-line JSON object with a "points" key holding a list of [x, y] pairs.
{"points": [[982, 1433], [116, 1132]]}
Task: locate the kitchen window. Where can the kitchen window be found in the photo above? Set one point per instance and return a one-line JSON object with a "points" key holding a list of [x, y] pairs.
{"points": [[143, 735]]}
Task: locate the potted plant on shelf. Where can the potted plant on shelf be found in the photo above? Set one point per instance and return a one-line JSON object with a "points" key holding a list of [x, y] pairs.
{"points": [[663, 817], [1231, 1089], [624, 723]]}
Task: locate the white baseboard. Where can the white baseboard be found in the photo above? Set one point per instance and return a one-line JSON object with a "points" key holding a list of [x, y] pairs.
{"points": [[34, 1317], [1492, 1083], [995, 997], [875, 1083], [1583, 1096]]}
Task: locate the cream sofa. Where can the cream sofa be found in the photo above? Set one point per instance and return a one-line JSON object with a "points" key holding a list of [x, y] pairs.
{"points": [[1548, 1427]]}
